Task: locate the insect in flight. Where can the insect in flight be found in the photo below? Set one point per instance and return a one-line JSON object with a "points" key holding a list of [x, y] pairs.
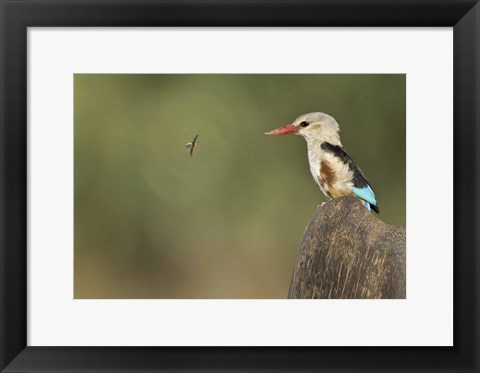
{"points": [[192, 145]]}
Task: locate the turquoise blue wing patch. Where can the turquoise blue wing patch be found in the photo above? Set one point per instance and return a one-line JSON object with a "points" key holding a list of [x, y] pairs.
{"points": [[366, 194]]}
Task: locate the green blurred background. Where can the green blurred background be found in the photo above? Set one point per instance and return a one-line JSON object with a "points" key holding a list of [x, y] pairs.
{"points": [[153, 222]]}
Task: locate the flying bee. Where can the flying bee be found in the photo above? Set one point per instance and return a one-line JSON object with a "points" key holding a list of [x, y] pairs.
{"points": [[192, 145]]}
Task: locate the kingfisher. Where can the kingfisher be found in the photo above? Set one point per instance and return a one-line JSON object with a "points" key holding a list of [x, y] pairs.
{"points": [[334, 171]]}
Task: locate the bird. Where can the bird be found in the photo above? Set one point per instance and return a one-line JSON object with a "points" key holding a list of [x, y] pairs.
{"points": [[333, 170], [192, 145]]}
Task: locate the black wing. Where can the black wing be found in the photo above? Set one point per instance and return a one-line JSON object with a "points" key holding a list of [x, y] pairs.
{"points": [[359, 179]]}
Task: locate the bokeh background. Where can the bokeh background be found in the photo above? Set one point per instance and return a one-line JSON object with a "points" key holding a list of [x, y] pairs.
{"points": [[153, 222]]}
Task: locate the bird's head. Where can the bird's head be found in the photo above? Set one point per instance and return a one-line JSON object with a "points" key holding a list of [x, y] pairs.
{"points": [[313, 127]]}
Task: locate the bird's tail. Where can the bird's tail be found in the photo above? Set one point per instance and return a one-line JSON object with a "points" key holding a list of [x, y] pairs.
{"points": [[370, 207]]}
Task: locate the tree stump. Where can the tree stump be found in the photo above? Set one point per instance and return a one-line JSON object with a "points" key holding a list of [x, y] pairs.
{"points": [[347, 253]]}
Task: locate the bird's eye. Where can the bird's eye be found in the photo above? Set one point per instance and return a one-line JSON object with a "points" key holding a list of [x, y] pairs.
{"points": [[304, 124]]}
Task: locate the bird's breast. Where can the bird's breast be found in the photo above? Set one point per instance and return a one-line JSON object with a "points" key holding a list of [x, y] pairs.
{"points": [[327, 174], [332, 176], [315, 161]]}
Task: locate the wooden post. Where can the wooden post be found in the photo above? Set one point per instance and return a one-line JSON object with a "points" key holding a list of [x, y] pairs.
{"points": [[347, 252]]}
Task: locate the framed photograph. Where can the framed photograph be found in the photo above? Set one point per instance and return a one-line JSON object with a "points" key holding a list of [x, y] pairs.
{"points": [[153, 218]]}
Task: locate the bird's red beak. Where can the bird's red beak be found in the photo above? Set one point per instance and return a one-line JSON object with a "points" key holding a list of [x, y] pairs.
{"points": [[285, 130]]}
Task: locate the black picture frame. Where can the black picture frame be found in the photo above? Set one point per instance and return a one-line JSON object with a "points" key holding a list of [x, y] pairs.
{"points": [[18, 15]]}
